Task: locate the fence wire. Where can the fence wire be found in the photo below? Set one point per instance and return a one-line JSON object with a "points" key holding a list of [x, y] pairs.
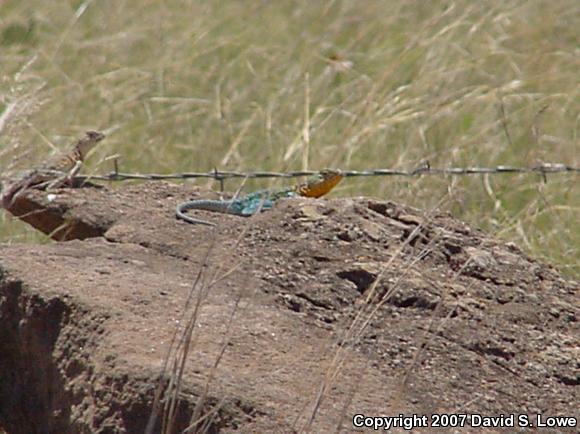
{"points": [[423, 169]]}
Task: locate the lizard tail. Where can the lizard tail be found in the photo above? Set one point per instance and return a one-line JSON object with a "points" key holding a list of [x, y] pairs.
{"points": [[180, 214]]}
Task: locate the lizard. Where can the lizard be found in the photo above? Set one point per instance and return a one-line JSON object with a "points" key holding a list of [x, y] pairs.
{"points": [[260, 200], [48, 174]]}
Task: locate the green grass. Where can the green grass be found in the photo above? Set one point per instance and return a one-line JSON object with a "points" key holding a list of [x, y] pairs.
{"points": [[195, 85]]}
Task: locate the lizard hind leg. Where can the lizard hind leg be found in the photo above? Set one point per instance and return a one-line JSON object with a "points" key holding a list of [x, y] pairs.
{"points": [[13, 190]]}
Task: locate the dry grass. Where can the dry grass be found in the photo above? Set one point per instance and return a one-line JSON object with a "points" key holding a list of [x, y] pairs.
{"points": [[288, 85]]}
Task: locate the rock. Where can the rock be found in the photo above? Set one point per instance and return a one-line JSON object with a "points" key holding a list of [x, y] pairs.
{"points": [[281, 306]]}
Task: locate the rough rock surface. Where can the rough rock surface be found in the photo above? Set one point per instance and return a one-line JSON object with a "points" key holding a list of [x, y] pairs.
{"points": [[305, 315]]}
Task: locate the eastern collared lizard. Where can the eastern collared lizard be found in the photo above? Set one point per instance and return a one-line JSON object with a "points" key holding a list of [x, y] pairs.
{"points": [[51, 173], [260, 200]]}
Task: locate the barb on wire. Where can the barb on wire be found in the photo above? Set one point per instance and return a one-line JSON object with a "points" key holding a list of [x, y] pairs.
{"points": [[423, 169]]}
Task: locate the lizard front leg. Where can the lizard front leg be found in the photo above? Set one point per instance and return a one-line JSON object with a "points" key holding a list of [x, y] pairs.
{"points": [[66, 179]]}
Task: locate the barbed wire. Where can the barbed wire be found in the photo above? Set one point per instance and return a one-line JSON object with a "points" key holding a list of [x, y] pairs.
{"points": [[423, 169]]}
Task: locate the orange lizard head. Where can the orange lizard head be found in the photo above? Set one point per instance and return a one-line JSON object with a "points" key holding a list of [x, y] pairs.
{"points": [[320, 184]]}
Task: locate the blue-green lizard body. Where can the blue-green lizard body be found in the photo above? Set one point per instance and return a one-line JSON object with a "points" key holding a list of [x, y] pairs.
{"points": [[242, 206], [260, 200]]}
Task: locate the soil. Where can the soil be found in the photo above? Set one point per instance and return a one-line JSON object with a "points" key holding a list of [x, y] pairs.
{"points": [[298, 318]]}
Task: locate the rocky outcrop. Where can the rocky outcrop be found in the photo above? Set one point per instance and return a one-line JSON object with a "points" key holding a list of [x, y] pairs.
{"points": [[300, 318]]}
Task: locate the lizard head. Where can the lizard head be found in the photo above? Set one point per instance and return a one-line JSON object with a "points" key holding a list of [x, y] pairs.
{"points": [[320, 184], [95, 135], [326, 174], [88, 142]]}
